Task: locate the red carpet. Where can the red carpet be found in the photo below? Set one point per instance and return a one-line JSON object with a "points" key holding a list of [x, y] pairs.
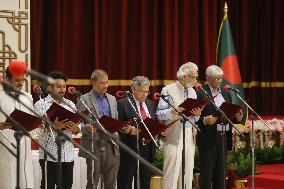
{"points": [[269, 177]]}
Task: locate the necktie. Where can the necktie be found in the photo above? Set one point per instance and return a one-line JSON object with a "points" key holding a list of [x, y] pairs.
{"points": [[142, 111], [185, 93]]}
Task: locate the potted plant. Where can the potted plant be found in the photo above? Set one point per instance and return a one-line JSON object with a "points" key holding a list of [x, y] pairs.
{"points": [[243, 168]]}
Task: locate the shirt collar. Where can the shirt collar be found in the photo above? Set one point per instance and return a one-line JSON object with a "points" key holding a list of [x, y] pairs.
{"points": [[136, 101], [214, 90], [49, 99], [98, 95], [181, 86]]}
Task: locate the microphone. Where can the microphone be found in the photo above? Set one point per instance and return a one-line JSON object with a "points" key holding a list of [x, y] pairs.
{"points": [[197, 86], [19, 68], [37, 90], [228, 87], [157, 96], [72, 90], [121, 94]]}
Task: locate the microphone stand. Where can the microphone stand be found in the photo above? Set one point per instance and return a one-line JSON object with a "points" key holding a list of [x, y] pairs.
{"points": [[79, 98], [138, 120], [7, 148], [253, 114], [40, 95], [139, 117], [183, 121], [20, 131], [3, 134]]}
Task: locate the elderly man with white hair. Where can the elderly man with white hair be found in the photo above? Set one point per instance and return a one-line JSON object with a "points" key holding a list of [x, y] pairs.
{"points": [[212, 149], [177, 92]]}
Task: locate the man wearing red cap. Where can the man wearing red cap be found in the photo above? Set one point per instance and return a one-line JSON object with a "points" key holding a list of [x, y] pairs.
{"points": [[7, 160]]}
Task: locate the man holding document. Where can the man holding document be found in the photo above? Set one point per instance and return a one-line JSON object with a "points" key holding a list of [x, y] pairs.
{"points": [[7, 160], [176, 93], [48, 136], [128, 135], [210, 143], [100, 103]]}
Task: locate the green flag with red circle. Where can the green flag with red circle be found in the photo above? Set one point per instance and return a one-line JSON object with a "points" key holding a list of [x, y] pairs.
{"points": [[227, 60]]}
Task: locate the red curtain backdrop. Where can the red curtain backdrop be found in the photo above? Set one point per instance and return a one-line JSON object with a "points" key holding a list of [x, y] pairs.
{"points": [[154, 37]]}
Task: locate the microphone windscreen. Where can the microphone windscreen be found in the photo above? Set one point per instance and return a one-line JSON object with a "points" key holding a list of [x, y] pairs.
{"points": [[119, 94], [156, 96], [198, 86], [71, 90], [17, 68], [36, 89], [227, 87]]}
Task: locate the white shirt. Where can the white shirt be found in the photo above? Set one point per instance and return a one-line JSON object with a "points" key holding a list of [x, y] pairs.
{"points": [[46, 139], [144, 106], [219, 99], [164, 109], [7, 161]]}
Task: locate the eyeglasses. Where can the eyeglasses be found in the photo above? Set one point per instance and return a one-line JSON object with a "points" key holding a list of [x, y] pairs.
{"points": [[144, 92], [217, 78], [192, 77]]}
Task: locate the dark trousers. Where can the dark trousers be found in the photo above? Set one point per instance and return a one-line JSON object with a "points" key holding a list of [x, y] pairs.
{"points": [[67, 174], [128, 169], [212, 162]]}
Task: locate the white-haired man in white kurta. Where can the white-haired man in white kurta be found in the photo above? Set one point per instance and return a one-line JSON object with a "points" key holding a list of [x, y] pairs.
{"points": [[177, 92], [8, 161]]}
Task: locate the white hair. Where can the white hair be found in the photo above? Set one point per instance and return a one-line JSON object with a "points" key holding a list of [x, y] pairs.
{"points": [[214, 71], [185, 69], [138, 81]]}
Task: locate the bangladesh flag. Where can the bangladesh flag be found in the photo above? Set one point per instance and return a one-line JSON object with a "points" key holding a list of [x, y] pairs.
{"points": [[227, 60]]}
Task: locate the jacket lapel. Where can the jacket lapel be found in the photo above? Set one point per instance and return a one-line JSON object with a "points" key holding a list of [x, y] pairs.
{"points": [[111, 105], [94, 103]]}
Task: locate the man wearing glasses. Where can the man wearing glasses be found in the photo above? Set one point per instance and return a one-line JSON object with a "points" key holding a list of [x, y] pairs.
{"points": [[146, 108], [210, 143], [177, 92]]}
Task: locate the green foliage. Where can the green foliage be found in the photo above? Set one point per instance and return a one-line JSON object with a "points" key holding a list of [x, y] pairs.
{"points": [[159, 159], [196, 168], [270, 155], [242, 162], [243, 165]]}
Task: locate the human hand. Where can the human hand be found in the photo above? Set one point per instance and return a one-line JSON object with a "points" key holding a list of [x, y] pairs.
{"points": [[73, 127], [60, 124], [134, 131], [5, 125], [177, 110], [90, 128], [196, 111], [210, 120]]}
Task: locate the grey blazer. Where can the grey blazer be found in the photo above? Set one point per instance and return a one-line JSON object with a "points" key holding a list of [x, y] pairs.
{"points": [[86, 139]]}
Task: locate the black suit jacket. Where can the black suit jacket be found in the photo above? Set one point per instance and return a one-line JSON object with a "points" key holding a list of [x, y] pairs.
{"points": [[208, 132], [126, 112]]}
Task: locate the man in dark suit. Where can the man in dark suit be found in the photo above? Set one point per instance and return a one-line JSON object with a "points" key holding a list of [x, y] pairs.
{"points": [[107, 163], [214, 140], [146, 108]]}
